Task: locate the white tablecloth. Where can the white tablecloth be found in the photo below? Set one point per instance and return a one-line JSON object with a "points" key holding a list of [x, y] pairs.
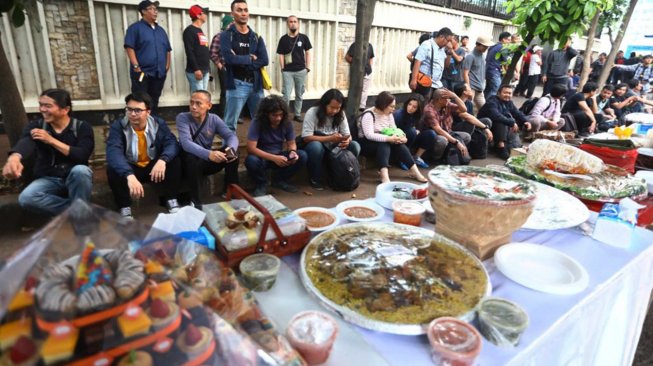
{"points": [[599, 326]]}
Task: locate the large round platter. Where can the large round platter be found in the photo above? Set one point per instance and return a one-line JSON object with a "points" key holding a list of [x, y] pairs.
{"points": [[555, 209], [392, 278], [541, 268]]}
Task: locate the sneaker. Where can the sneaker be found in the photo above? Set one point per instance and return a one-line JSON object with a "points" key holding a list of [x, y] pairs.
{"points": [[503, 152], [421, 163], [126, 212], [173, 205], [316, 185], [285, 186], [260, 191], [403, 166]]}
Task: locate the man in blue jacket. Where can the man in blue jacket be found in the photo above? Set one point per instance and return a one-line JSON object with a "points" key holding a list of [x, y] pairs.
{"points": [[244, 55], [141, 149], [148, 49], [506, 118]]}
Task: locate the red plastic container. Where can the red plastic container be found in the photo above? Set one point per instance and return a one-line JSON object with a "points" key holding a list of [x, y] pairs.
{"points": [[622, 158]]}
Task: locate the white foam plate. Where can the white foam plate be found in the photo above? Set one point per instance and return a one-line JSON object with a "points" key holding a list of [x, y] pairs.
{"points": [[322, 210], [645, 151], [384, 195], [541, 268], [380, 211], [555, 209]]}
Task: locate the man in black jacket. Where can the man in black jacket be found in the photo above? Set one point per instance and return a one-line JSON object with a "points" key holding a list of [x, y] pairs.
{"points": [[556, 66], [63, 146], [506, 118]]}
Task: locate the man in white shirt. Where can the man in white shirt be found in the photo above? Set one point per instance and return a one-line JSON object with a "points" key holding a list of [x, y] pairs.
{"points": [[534, 70]]}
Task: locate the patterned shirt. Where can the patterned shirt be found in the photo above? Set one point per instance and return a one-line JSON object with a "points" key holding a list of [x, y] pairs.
{"points": [[216, 56], [442, 118]]}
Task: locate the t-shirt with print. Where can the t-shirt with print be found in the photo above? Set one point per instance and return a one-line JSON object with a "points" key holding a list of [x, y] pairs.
{"points": [[272, 139], [455, 70], [240, 46], [298, 45], [370, 55], [196, 45]]}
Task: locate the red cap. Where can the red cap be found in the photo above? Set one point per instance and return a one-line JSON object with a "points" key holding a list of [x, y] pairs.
{"points": [[196, 10]]}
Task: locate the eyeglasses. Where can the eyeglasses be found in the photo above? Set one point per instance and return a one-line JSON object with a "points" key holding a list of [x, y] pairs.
{"points": [[134, 110]]}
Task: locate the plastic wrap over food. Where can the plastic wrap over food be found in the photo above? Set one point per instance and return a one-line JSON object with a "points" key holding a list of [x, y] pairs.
{"points": [[237, 224], [471, 183], [502, 322], [562, 158], [93, 292], [610, 184], [394, 273]]}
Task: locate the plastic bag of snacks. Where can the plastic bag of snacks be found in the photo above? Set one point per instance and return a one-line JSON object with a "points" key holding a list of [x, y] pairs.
{"points": [[87, 290]]}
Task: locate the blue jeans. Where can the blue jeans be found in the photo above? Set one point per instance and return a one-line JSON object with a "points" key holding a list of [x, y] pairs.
{"points": [[236, 99], [198, 84], [52, 195], [296, 79], [257, 168], [492, 85], [316, 150]]}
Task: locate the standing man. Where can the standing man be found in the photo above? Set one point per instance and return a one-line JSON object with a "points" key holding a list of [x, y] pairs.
{"points": [[148, 49], [244, 54], [63, 146], [464, 40], [197, 129], [218, 60], [430, 60], [294, 50], [494, 64], [453, 66], [196, 45], [474, 70], [597, 67], [641, 71], [556, 66], [367, 80], [141, 149]]}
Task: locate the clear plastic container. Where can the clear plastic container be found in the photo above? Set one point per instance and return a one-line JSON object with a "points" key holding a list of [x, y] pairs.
{"points": [[454, 342], [312, 333], [502, 322], [408, 212], [260, 271]]}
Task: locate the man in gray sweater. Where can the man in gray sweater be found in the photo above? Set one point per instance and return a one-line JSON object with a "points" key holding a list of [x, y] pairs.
{"points": [[555, 69], [197, 129]]}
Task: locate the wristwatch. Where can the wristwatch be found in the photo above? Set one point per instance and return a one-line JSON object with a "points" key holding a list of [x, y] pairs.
{"points": [[136, 66]]}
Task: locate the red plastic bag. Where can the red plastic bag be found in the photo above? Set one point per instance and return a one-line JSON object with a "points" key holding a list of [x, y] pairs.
{"points": [[622, 158]]}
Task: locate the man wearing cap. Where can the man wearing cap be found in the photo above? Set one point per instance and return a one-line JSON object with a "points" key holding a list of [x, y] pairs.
{"points": [[474, 70], [196, 45], [534, 70], [217, 59], [148, 49], [556, 66], [294, 50], [642, 71], [244, 53]]}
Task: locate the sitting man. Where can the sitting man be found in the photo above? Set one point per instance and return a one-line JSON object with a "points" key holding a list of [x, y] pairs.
{"points": [[270, 129], [506, 121], [636, 91], [582, 106], [466, 122], [63, 146], [436, 126], [619, 102], [545, 114], [141, 148], [197, 129], [610, 119]]}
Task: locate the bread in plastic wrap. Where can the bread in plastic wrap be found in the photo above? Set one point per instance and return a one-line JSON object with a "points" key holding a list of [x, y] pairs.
{"points": [[546, 154]]}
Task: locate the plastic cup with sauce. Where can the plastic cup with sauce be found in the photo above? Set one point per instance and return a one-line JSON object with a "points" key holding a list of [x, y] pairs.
{"points": [[312, 334], [260, 271], [408, 212], [502, 322], [454, 342]]}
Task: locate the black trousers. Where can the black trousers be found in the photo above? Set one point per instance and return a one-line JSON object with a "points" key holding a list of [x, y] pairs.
{"points": [[196, 169], [168, 188], [151, 85], [222, 77], [382, 151], [583, 122], [551, 81], [531, 83]]}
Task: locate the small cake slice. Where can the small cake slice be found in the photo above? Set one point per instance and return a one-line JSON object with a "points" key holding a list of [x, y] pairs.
{"points": [[134, 321], [163, 313], [194, 341], [136, 358], [60, 345], [163, 291], [10, 332], [24, 352]]}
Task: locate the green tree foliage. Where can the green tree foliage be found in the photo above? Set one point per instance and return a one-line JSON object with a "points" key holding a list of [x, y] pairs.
{"points": [[552, 22], [610, 19]]}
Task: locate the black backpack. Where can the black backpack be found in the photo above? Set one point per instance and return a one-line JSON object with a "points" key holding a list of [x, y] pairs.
{"points": [[344, 172], [478, 145], [453, 156], [570, 123]]}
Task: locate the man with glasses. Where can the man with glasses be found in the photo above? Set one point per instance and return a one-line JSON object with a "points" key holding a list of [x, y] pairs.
{"points": [[244, 55], [141, 149], [148, 49]]}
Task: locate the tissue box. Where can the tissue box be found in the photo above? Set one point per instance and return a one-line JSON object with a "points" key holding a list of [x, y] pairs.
{"points": [[611, 229]]}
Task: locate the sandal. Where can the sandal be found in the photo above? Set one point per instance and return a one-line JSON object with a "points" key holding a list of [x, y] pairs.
{"points": [[420, 178]]}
